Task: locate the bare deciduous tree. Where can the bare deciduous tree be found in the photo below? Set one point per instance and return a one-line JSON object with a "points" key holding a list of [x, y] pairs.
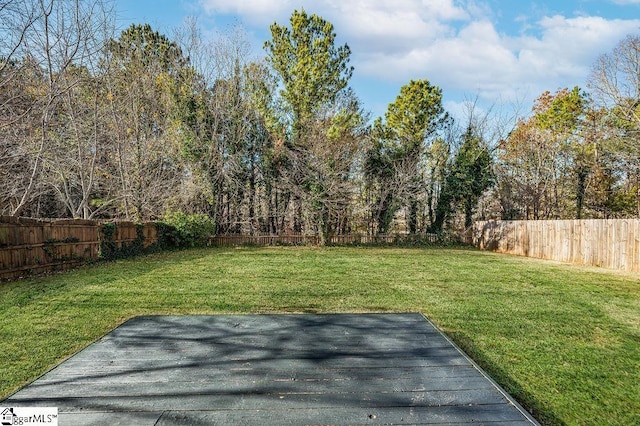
{"points": [[43, 39], [615, 83]]}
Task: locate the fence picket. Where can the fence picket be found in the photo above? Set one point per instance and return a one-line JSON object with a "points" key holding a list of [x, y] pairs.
{"points": [[298, 239], [609, 243], [30, 246]]}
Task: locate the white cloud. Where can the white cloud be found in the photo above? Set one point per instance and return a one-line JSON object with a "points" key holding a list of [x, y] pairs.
{"points": [[568, 48], [626, 2], [255, 12], [455, 44], [405, 19], [384, 27], [244, 7], [477, 59]]}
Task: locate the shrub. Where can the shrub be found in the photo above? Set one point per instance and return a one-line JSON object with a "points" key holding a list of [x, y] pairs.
{"points": [[109, 249], [182, 230], [168, 236]]}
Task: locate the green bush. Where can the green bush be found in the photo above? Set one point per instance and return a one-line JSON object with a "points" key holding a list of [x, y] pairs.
{"points": [[168, 236], [182, 230], [109, 249]]}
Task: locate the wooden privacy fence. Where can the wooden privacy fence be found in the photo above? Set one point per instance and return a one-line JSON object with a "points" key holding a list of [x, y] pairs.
{"points": [[231, 240], [126, 234], [297, 239], [608, 243], [31, 246]]}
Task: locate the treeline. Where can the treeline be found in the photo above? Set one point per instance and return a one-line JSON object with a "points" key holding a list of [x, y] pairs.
{"points": [[140, 125]]}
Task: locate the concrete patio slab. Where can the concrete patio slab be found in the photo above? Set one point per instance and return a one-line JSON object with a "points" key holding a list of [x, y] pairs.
{"points": [[272, 369]]}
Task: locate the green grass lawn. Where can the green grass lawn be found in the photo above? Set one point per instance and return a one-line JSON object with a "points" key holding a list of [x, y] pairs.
{"points": [[564, 340]]}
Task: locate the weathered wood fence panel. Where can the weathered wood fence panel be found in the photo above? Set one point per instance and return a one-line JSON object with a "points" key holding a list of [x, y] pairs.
{"points": [[231, 240], [32, 246], [296, 239], [127, 233], [608, 243]]}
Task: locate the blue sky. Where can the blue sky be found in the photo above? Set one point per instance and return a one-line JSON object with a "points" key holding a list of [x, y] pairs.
{"points": [[501, 53]]}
